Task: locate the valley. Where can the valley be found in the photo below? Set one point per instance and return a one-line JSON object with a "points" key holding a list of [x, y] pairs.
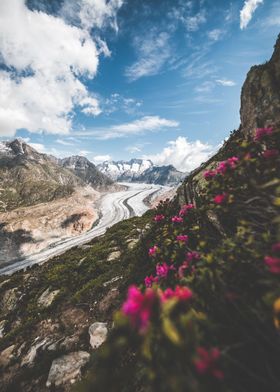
{"points": [[111, 208]]}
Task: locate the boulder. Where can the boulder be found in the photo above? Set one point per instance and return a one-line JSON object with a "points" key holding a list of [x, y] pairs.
{"points": [[47, 298], [67, 368], [6, 356], [98, 334], [114, 255], [132, 243], [29, 358], [108, 300]]}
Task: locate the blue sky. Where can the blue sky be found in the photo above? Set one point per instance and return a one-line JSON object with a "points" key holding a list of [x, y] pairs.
{"points": [[119, 79]]}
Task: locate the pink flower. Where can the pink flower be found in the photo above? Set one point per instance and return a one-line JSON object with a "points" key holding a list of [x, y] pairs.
{"points": [[220, 199], [149, 280], [224, 166], [138, 307], [193, 256], [153, 250], [184, 210], [177, 219], [182, 293], [162, 270], [209, 174], [273, 263], [270, 154], [207, 361], [232, 162], [181, 269], [182, 238], [159, 218], [262, 132]]}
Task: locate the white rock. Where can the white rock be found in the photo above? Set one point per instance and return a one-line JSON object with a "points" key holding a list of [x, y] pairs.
{"points": [[2, 327], [98, 334], [47, 297], [114, 255], [67, 368]]}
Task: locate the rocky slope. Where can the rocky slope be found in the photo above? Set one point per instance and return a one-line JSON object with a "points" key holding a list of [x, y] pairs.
{"points": [[87, 171], [48, 312], [141, 170], [162, 175], [28, 177]]}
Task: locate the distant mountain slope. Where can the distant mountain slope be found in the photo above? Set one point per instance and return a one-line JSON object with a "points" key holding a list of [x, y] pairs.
{"points": [[141, 170], [86, 170], [28, 177], [164, 175]]}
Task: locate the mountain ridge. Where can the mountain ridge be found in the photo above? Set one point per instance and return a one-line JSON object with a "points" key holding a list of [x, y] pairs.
{"points": [[141, 170]]}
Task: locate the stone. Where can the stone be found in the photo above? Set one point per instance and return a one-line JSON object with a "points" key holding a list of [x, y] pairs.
{"points": [[108, 300], [114, 255], [47, 298], [2, 327], [6, 356], [67, 369], [98, 333], [10, 299], [115, 279], [132, 243], [29, 358], [70, 342]]}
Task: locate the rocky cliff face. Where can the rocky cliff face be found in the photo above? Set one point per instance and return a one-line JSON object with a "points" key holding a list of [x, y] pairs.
{"points": [[260, 96], [260, 106]]}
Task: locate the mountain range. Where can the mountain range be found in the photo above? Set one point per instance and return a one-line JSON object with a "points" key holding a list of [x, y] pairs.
{"points": [[141, 170], [28, 177]]}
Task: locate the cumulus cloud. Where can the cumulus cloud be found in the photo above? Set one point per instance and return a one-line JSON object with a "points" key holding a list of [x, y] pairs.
{"points": [[153, 51], [182, 154], [101, 158], [247, 11], [226, 82], [45, 58], [137, 127]]}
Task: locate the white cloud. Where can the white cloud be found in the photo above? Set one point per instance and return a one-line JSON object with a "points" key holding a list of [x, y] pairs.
{"points": [[64, 142], [205, 87], [140, 126], [39, 147], [215, 34], [133, 149], [153, 50], [226, 82], [182, 154], [45, 57], [117, 102], [84, 153], [247, 11], [193, 22], [101, 158], [92, 13]]}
